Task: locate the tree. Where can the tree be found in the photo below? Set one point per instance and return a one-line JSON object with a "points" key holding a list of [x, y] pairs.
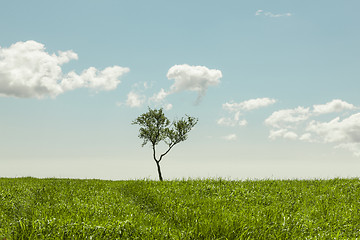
{"points": [[155, 128]]}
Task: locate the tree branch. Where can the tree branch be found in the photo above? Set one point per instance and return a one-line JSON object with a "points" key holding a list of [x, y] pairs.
{"points": [[170, 147]]}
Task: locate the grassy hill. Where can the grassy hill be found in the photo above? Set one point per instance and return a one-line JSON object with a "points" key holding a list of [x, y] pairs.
{"points": [[191, 209]]}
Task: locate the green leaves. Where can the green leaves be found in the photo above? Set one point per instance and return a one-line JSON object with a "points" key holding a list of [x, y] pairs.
{"points": [[180, 130], [155, 127]]}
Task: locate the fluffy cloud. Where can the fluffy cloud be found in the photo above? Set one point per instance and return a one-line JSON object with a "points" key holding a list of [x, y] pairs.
{"points": [[272, 15], [106, 79], [287, 117], [248, 105], [135, 100], [159, 99], [345, 131], [306, 137], [292, 123], [335, 105], [283, 133], [160, 96], [193, 78], [28, 71], [231, 122], [188, 78], [238, 108]]}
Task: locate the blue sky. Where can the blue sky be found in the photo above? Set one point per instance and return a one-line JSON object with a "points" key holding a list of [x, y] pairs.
{"points": [[275, 85]]}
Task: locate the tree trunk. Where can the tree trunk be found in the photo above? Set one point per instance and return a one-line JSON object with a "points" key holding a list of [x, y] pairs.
{"points": [[159, 171], [157, 163]]}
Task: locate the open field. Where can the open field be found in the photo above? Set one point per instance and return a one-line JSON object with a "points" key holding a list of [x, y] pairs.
{"points": [[191, 209]]}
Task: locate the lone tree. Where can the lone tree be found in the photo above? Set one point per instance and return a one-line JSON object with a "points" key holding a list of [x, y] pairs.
{"points": [[155, 127]]}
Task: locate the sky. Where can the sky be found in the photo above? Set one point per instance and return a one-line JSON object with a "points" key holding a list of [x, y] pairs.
{"points": [[274, 84]]}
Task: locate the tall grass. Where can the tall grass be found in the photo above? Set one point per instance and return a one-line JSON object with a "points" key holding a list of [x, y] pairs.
{"points": [[185, 209]]}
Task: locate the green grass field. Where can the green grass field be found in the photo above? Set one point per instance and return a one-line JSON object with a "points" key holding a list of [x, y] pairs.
{"points": [[190, 209]]}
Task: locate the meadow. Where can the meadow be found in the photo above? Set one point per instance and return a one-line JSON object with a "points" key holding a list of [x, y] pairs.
{"points": [[33, 208]]}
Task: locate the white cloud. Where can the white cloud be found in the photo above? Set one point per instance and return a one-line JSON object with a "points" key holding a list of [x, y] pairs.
{"points": [[188, 78], [135, 100], [287, 117], [306, 137], [237, 108], [283, 133], [291, 123], [231, 122], [159, 99], [272, 15], [248, 105], [106, 79], [193, 78], [276, 133], [28, 71], [345, 131], [290, 135], [160, 96], [335, 105], [168, 106], [226, 122], [230, 137]]}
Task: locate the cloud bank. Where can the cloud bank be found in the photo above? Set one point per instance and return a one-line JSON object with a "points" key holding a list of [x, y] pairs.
{"points": [[28, 71], [299, 123]]}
